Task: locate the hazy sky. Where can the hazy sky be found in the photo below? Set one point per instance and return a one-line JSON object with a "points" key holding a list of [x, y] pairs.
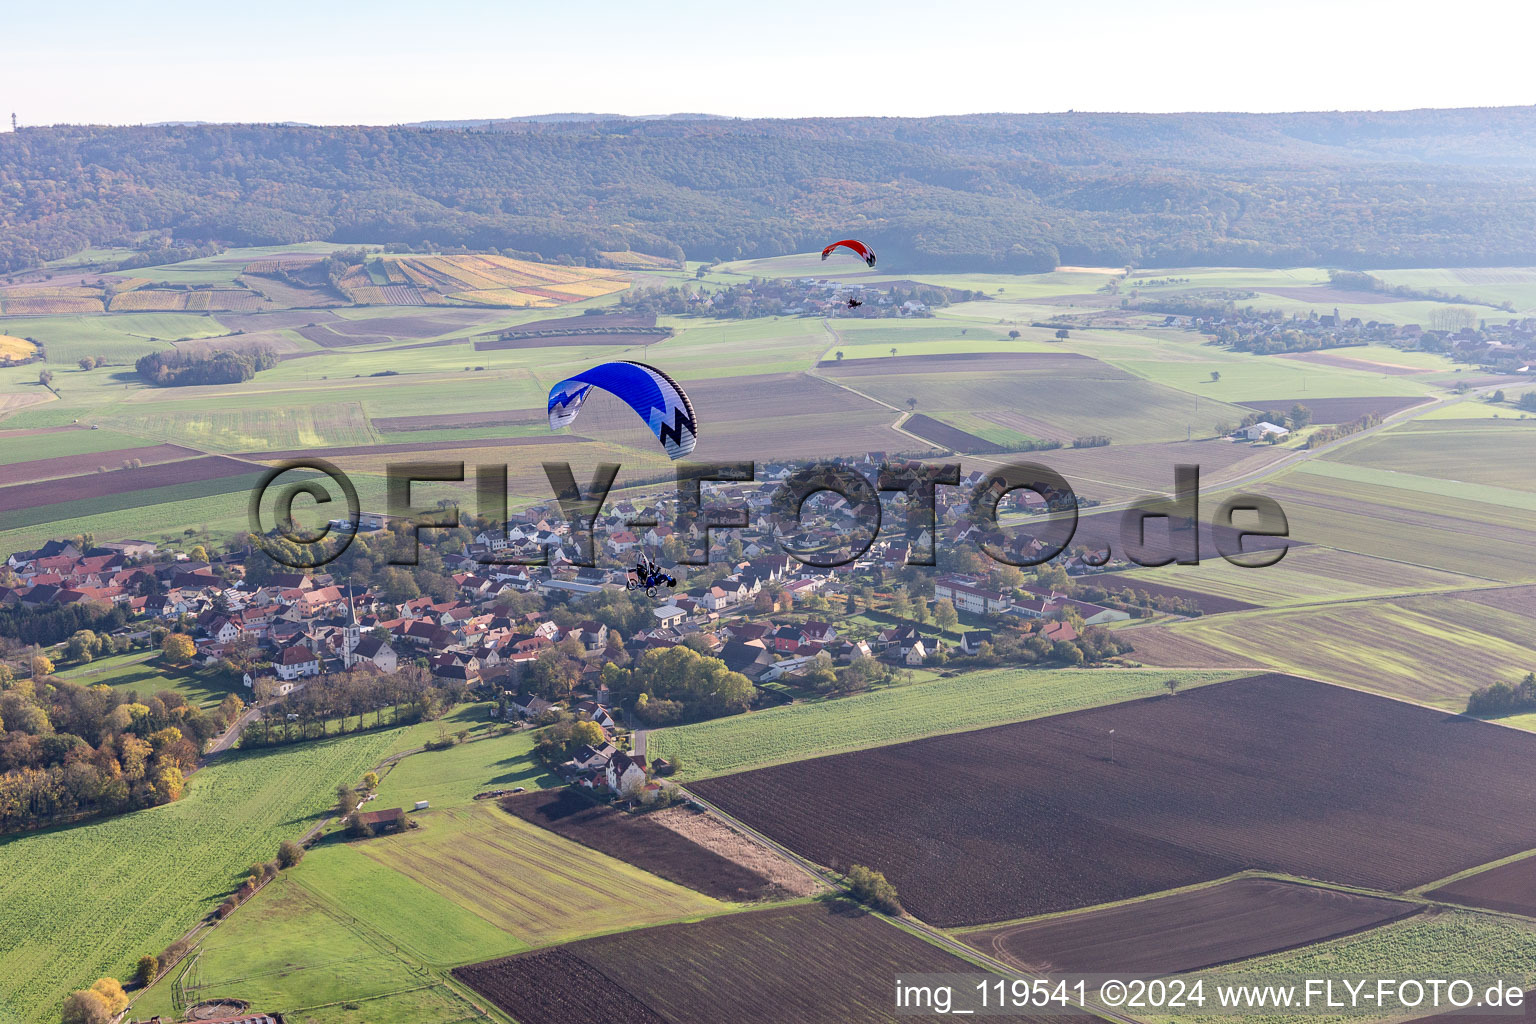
{"points": [[383, 61]]}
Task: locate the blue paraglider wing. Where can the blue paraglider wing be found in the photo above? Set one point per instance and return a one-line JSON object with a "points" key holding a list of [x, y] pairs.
{"points": [[653, 395]]}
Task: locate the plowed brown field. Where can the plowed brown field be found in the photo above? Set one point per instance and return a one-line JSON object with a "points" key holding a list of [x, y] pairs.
{"points": [[1269, 772]]}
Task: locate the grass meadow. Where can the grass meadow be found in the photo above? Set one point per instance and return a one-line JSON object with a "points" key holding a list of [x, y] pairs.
{"points": [[80, 902], [971, 700]]}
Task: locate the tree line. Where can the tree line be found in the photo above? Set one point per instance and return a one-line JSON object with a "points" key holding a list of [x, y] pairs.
{"points": [[1004, 193]]}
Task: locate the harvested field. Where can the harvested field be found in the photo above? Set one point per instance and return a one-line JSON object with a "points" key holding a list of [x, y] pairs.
{"points": [[1210, 604], [1526, 1016], [816, 963], [1348, 363], [15, 348], [1030, 426], [531, 883], [119, 481], [414, 446], [1520, 600], [1269, 772], [1161, 537], [74, 465], [1123, 471], [1327, 295], [713, 834], [277, 319], [640, 841], [1338, 410], [574, 324], [975, 362], [1430, 648], [653, 336], [1162, 647], [1493, 457], [1509, 887], [1186, 931], [278, 341], [459, 420], [48, 305], [379, 330], [946, 436]]}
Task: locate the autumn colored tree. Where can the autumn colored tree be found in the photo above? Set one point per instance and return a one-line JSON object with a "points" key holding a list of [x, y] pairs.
{"points": [[111, 990], [587, 732], [146, 970], [86, 1006], [289, 853], [42, 666], [178, 648]]}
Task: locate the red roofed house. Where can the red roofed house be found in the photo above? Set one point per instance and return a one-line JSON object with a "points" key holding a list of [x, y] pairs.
{"points": [[296, 662]]}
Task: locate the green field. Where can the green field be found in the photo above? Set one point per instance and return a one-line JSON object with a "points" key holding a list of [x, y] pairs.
{"points": [[57, 444], [972, 700], [144, 672], [449, 778], [1440, 945], [300, 947], [77, 903], [1458, 455]]}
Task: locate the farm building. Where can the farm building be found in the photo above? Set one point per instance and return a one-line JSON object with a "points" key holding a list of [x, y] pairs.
{"points": [[382, 821], [1262, 430]]}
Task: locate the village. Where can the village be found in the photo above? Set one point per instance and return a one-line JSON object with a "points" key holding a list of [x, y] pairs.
{"points": [[548, 642]]}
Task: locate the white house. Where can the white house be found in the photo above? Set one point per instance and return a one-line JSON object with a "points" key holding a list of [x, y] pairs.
{"points": [[669, 615], [1262, 430], [626, 774], [296, 662]]}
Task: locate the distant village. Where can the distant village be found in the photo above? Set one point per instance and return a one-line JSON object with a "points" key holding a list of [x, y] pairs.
{"points": [[799, 296]]}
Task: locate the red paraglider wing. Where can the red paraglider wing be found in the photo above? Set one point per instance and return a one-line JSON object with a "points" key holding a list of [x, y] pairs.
{"points": [[863, 251]]}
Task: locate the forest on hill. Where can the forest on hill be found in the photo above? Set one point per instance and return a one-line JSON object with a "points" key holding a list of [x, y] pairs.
{"points": [[985, 192]]}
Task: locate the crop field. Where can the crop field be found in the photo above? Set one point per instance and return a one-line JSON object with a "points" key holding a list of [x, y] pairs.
{"points": [[1170, 648], [1071, 395], [1460, 455], [299, 948], [1428, 945], [500, 280], [47, 305], [1122, 471], [815, 963], [1434, 649], [16, 348], [331, 331], [530, 883], [1306, 574], [947, 436], [1338, 410], [64, 927], [1453, 533], [452, 777], [120, 338], [1510, 888], [972, 700], [1209, 604], [640, 841], [1188, 930], [75, 465], [1270, 773], [250, 429], [119, 481], [1492, 285], [20, 446]]}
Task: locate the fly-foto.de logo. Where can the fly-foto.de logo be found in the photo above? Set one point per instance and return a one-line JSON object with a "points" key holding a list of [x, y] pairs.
{"points": [[1247, 530]]}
